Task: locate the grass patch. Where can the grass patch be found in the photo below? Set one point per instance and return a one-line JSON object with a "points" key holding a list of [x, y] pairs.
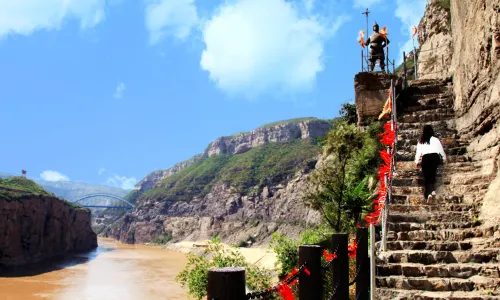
{"points": [[22, 184], [19, 188], [296, 120], [410, 64], [271, 163]]}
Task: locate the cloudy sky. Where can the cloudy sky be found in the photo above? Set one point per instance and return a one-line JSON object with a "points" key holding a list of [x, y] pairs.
{"points": [[106, 91]]}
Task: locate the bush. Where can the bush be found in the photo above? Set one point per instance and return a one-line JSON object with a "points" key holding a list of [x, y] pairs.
{"points": [[195, 274]]}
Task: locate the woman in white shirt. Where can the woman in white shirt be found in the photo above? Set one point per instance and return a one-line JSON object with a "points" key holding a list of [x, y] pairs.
{"points": [[430, 154]]}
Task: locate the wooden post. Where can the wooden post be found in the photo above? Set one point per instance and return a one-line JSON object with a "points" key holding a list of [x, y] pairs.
{"points": [[226, 284], [404, 70], [311, 286], [393, 66], [362, 265], [373, 287], [340, 267]]}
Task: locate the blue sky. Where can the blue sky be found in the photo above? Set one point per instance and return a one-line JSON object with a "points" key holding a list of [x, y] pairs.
{"points": [[109, 91]]}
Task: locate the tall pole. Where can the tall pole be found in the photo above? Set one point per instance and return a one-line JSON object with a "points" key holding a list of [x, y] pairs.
{"points": [[367, 33]]}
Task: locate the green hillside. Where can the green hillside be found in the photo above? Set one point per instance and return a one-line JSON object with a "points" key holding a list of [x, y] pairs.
{"points": [[21, 184], [16, 187], [272, 163]]}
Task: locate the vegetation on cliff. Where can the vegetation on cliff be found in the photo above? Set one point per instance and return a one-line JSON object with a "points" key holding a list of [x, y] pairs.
{"points": [[19, 187], [272, 163]]}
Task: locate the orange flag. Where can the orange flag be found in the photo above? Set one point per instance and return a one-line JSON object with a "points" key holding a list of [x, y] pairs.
{"points": [[387, 106], [414, 30], [383, 32], [361, 38]]}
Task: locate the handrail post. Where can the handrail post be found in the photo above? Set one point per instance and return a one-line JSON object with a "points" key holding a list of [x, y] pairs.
{"points": [[226, 283], [404, 69], [340, 267], [393, 66], [384, 218], [415, 61], [362, 265], [362, 63], [373, 262], [311, 286]]}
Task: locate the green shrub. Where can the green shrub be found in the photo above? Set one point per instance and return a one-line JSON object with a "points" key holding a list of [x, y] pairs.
{"points": [[194, 277]]}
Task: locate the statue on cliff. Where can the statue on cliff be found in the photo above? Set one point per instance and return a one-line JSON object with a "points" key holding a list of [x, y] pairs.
{"points": [[377, 42]]}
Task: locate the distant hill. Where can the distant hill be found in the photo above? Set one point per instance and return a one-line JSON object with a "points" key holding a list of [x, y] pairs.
{"points": [[72, 191]]}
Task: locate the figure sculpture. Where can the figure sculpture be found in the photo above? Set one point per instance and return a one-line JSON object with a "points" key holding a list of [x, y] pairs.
{"points": [[377, 42]]}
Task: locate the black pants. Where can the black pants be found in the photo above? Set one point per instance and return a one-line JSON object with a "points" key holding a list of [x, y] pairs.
{"points": [[430, 163]]}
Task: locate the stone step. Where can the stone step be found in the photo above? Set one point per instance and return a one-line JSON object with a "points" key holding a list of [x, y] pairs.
{"points": [[433, 217], [448, 192], [406, 226], [428, 257], [432, 208], [419, 199], [409, 166], [434, 235], [453, 270], [406, 156], [418, 114], [439, 284], [427, 245], [385, 293]]}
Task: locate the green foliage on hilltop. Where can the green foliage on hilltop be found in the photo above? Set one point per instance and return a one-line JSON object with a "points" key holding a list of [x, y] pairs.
{"points": [[296, 120], [19, 188], [22, 184], [270, 163]]}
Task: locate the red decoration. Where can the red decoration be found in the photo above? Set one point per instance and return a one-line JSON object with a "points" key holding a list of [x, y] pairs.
{"points": [[285, 292], [351, 250]]}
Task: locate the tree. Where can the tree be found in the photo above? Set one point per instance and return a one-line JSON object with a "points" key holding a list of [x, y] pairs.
{"points": [[338, 187], [348, 113]]}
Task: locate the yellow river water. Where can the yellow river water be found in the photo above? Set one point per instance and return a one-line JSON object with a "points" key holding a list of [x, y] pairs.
{"points": [[112, 271]]}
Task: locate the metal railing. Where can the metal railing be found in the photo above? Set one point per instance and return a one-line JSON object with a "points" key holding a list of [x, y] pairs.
{"points": [[365, 63]]}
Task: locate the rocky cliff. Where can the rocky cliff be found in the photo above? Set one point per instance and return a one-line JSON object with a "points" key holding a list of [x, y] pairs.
{"points": [[36, 226], [468, 34], [240, 143], [243, 187]]}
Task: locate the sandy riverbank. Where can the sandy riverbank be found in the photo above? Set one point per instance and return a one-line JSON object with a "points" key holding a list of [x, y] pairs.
{"points": [[262, 257]]}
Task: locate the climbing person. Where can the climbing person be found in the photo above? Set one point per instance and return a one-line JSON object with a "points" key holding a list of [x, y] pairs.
{"points": [[430, 154], [377, 43]]}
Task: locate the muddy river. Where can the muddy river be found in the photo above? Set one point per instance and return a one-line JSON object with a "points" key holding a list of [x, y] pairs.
{"points": [[112, 271]]}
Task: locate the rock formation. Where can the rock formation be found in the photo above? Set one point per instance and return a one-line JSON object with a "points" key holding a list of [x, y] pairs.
{"points": [[36, 227], [240, 143], [225, 210]]}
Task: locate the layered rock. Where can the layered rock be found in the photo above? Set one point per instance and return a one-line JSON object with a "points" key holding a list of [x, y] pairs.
{"points": [[37, 227], [468, 34], [224, 212], [272, 205], [240, 143]]}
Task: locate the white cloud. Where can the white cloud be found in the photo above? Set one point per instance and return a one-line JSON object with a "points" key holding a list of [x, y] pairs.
{"points": [[123, 182], [254, 45], [101, 170], [365, 3], [170, 17], [409, 12], [26, 16], [50, 175], [120, 89]]}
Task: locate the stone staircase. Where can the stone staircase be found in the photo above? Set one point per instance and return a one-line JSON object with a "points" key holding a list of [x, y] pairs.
{"points": [[436, 250]]}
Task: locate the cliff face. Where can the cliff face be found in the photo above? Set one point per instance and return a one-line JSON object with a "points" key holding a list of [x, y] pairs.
{"points": [[241, 143], [469, 33], [263, 176], [36, 227]]}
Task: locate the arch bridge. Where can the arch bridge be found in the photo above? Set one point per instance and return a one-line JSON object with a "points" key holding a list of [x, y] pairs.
{"points": [[103, 200]]}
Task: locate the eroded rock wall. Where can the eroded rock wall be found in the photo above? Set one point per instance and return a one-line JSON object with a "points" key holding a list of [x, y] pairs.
{"points": [[35, 227], [223, 211], [472, 29]]}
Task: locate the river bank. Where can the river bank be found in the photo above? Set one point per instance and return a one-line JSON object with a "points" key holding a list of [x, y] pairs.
{"points": [[263, 257]]}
